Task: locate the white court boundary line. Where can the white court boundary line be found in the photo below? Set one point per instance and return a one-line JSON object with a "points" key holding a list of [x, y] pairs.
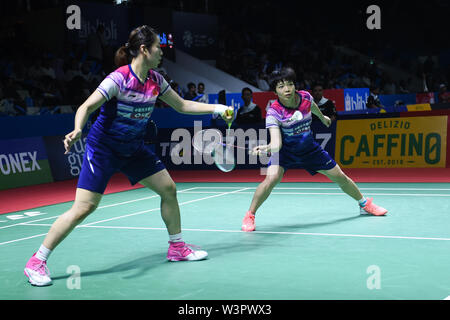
{"points": [[340, 193], [188, 191], [331, 188], [100, 207], [268, 232], [241, 190], [119, 217], [180, 204]]}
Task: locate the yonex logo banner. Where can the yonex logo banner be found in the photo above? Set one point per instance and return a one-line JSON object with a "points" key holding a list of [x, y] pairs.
{"points": [[23, 162], [392, 142]]}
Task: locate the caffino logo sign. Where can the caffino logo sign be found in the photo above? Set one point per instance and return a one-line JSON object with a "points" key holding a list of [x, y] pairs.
{"points": [[392, 142]]}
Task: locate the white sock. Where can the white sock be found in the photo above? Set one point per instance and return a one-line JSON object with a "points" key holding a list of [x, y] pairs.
{"points": [[176, 237], [43, 253], [362, 202]]}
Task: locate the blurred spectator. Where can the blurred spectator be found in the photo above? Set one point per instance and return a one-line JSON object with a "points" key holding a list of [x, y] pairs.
{"points": [[428, 65], [389, 86], [246, 51], [72, 71], [11, 103], [201, 95], [261, 81], [78, 91], [402, 87], [249, 112], [50, 92], [444, 95], [374, 101], [48, 69], [325, 105], [91, 78], [176, 87], [96, 43], [19, 72], [425, 81], [366, 80], [191, 94], [5, 103], [36, 71]]}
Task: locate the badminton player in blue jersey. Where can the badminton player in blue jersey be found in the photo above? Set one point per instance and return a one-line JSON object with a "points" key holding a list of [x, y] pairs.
{"points": [[116, 143], [292, 145]]}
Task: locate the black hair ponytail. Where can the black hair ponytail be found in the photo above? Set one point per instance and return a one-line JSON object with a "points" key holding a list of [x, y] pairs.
{"points": [[143, 35]]}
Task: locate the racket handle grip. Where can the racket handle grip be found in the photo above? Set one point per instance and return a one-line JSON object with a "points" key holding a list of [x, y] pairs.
{"points": [[229, 113]]}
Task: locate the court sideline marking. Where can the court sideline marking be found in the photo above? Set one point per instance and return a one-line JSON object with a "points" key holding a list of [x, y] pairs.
{"points": [[101, 207], [266, 232], [276, 188], [119, 217], [343, 194], [333, 188]]}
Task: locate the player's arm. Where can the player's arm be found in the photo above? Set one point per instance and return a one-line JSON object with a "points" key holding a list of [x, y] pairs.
{"points": [[95, 100], [275, 139], [275, 142], [193, 107], [316, 111]]}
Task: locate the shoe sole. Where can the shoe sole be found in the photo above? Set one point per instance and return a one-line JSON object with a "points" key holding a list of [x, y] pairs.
{"points": [[175, 259], [247, 230], [371, 214], [34, 283]]}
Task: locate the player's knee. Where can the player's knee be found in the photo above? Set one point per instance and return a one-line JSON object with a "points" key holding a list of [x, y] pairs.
{"points": [[340, 178], [272, 180], [169, 190], [82, 209]]}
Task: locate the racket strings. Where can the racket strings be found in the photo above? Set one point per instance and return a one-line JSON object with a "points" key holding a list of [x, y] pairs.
{"points": [[210, 141], [224, 158]]}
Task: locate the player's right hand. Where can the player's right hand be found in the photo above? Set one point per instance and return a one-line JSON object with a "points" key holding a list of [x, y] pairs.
{"points": [[228, 115], [256, 151], [71, 138]]}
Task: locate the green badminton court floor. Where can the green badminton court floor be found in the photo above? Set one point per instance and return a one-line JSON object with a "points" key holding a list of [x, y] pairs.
{"points": [[310, 243]]}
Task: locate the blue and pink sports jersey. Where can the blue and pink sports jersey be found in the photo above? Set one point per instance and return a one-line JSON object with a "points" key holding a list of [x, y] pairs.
{"points": [[126, 118], [294, 123]]}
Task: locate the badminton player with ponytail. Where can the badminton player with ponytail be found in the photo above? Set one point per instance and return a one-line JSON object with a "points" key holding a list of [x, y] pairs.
{"points": [[292, 146], [116, 143]]}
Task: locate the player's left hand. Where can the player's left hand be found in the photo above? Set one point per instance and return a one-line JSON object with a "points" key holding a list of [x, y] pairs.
{"points": [[326, 121]]}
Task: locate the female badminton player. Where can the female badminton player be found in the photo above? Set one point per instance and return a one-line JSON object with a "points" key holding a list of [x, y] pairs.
{"points": [[292, 146], [115, 143]]}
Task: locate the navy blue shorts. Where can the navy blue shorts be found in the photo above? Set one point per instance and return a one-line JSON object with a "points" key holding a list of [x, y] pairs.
{"points": [[312, 160], [101, 161]]}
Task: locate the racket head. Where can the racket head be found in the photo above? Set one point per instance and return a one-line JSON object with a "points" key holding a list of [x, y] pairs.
{"points": [[223, 156], [204, 141]]}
